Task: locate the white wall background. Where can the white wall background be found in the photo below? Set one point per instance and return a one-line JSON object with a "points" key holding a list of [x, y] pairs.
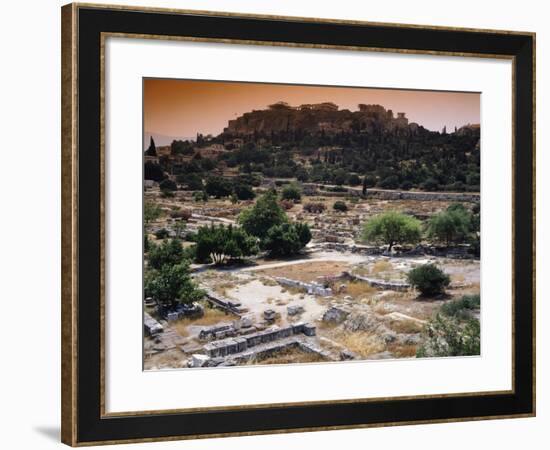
{"points": [[30, 225]]}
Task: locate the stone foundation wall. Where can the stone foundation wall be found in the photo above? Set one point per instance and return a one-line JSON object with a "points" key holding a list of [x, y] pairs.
{"points": [[224, 304], [310, 288], [379, 284], [151, 326], [239, 344]]}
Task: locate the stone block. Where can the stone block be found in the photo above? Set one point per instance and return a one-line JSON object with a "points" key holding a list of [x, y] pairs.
{"points": [[198, 360], [294, 310], [309, 329]]}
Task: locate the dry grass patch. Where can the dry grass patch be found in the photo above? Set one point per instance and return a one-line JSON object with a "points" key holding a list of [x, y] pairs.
{"points": [[458, 278], [222, 288], [307, 272], [359, 289], [381, 266], [383, 308], [211, 316], [405, 326], [402, 350], [362, 343], [266, 281], [292, 290]]}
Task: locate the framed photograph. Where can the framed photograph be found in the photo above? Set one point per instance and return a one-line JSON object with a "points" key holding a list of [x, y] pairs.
{"points": [[281, 224]]}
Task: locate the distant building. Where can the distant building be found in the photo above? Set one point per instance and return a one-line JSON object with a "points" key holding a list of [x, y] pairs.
{"points": [[325, 106]]}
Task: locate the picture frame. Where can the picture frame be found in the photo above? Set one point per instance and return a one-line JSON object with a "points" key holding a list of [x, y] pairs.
{"points": [[85, 420]]}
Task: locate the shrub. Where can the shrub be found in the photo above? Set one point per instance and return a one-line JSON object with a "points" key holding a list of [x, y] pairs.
{"points": [[286, 204], [183, 214], [291, 192], [218, 187], [354, 180], [314, 207], [153, 171], [151, 212], [406, 185], [168, 185], [429, 280], [392, 228], [451, 225], [287, 239], [168, 253], [265, 213], [200, 196], [390, 182], [369, 181], [340, 206], [447, 336], [243, 191], [162, 233], [191, 181], [462, 307], [339, 176], [431, 184]]}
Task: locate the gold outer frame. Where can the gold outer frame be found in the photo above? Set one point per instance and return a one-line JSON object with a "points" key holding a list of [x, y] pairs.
{"points": [[70, 216]]}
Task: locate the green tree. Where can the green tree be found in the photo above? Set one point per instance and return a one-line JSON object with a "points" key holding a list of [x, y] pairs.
{"points": [[218, 187], [219, 243], [191, 181], [168, 253], [340, 176], [152, 149], [200, 196], [339, 205], [171, 285], [431, 184], [168, 185], [304, 233], [291, 192], [151, 212], [354, 180], [179, 227], [153, 171], [266, 213], [451, 225], [429, 280], [392, 228], [162, 233], [390, 182], [243, 191], [287, 239]]}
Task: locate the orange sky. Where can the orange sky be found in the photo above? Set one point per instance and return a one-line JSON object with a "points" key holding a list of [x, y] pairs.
{"points": [[181, 108]]}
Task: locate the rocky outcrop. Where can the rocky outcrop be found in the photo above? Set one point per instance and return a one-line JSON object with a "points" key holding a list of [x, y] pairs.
{"points": [[335, 314], [317, 118]]}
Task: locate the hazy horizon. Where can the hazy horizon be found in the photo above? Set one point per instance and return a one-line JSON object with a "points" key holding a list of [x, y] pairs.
{"points": [[183, 108]]}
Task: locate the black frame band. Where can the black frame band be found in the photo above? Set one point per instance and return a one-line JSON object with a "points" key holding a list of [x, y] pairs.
{"points": [[90, 425]]}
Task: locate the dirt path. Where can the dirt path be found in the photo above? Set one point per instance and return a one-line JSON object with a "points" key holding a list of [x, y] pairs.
{"points": [[315, 257]]}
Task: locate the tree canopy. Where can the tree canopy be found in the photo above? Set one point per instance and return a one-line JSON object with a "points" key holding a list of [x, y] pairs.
{"points": [[451, 225], [392, 228], [169, 252], [291, 192], [287, 239], [152, 149], [171, 284], [219, 243], [266, 212]]}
